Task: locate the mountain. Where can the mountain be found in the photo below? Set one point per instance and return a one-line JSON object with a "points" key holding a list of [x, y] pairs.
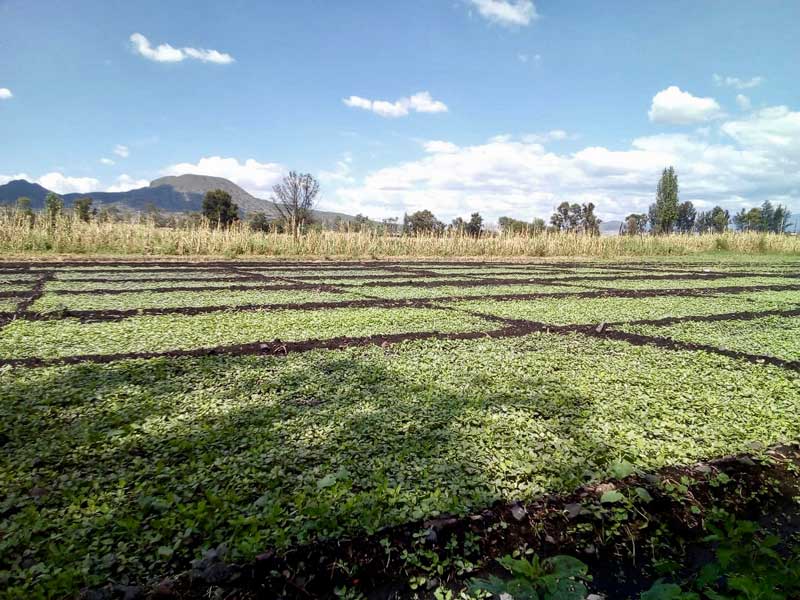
{"points": [[19, 188], [182, 193], [610, 227]]}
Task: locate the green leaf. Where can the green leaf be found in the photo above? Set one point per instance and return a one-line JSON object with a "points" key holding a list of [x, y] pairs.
{"points": [[620, 469], [611, 496]]}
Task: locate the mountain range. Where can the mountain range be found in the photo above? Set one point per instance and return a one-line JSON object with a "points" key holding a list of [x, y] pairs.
{"points": [[182, 193]]}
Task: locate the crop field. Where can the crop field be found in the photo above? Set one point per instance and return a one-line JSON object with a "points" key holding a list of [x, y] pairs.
{"points": [[159, 417]]}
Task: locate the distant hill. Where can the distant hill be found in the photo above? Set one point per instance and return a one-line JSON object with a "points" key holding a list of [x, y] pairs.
{"points": [[610, 227], [182, 193]]}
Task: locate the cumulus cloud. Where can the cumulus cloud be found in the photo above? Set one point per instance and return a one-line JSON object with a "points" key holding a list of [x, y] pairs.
{"points": [[738, 83], [5, 94], [62, 184], [439, 146], [125, 183], [121, 150], [255, 177], [774, 131], [107, 161], [168, 53], [758, 158], [509, 13], [421, 102], [675, 106]]}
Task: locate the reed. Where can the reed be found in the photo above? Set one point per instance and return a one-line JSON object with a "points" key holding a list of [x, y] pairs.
{"points": [[66, 235]]}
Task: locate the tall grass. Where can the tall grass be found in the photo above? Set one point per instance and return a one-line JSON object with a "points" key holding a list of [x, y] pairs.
{"points": [[18, 236]]}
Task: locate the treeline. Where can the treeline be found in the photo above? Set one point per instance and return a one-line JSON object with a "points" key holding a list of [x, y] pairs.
{"points": [[668, 215], [295, 196]]}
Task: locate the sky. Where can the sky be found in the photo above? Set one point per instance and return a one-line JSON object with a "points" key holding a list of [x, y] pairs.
{"points": [[506, 107]]}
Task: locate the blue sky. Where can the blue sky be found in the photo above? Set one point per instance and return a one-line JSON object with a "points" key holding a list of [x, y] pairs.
{"points": [[507, 107]]}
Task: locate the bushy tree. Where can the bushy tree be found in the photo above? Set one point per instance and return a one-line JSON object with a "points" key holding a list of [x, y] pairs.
{"points": [[715, 220], [589, 221], [24, 211], [83, 209], [420, 222], [686, 216], [475, 225], [294, 197], [219, 208], [53, 206], [634, 224], [259, 221], [508, 226], [664, 213], [575, 218]]}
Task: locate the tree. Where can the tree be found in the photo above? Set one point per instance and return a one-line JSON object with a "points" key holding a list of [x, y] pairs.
{"points": [[634, 224], [566, 217], [719, 219], [83, 209], [219, 209], [686, 216], [24, 211], [475, 225], [715, 220], [589, 221], [422, 221], [53, 206], [509, 226], [458, 225], [294, 197], [664, 213], [259, 222]]}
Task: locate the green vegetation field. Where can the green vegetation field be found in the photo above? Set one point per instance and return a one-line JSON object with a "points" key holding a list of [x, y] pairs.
{"points": [[150, 412]]}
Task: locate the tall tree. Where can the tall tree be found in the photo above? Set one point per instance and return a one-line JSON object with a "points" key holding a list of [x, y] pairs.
{"points": [[686, 216], [294, 197], [53, 206], [83, 209], [219, 208], [589, 221], [720, 219], [665, 213]]}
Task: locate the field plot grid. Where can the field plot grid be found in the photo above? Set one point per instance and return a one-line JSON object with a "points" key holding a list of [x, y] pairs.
{"points": [[150, 411]]}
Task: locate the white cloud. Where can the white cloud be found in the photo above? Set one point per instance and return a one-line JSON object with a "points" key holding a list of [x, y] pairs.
{"points": [[168, 53], [440, 147], [62, 184], [421, 102], [255, 177], [774, 131], [743, 102], [510, 13], [4, 179], [107, 161], [547, 136], [5, 94], [121, 150], [673, 105], [125, 182], [736, 82], [519, 177], [342, 173]]}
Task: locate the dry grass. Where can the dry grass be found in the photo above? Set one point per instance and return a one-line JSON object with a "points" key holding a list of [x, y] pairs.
{"points": [[69, 236]]}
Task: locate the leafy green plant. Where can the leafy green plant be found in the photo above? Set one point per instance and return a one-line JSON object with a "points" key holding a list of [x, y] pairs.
{"points": [[557, 578]]}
